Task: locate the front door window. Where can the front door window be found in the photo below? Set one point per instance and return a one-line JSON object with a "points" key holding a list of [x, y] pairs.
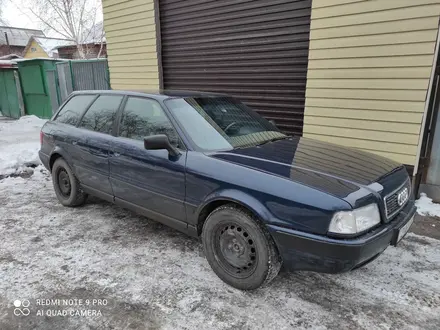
{"points": [[143, 117]]}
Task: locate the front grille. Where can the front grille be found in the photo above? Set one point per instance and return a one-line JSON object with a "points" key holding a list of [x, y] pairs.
{"points": [[392, 206]]}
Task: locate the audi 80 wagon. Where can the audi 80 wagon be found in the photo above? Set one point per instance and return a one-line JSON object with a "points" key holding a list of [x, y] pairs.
{"points": [[209, 166]]}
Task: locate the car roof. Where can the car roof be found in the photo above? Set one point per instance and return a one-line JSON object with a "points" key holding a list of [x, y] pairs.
{"points": [[158, 95]]}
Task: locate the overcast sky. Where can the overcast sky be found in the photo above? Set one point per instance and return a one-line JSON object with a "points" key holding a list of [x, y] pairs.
{"points": [[16, 18]]}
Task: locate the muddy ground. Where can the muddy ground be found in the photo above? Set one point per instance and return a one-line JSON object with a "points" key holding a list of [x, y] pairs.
{"points": [[152, 277]]}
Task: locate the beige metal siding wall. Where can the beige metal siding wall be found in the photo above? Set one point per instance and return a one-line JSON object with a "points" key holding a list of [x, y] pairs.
{"points": [[131, 44], [369, 68]]}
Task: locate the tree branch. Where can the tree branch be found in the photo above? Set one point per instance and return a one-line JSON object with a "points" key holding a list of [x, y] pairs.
{"points": [[50, 26], [60, 16], [71, 19]]}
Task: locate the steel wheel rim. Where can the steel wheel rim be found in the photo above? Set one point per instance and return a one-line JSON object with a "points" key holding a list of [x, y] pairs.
{"points": [[235, 250], [64, 183]]}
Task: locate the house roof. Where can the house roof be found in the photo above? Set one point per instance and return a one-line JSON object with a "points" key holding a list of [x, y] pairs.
{"points": [[6, 64], [50, 45], [18, 36], [39, 59], [9, 57]]}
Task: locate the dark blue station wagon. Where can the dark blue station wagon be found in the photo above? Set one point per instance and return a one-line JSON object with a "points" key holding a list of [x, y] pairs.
{"points": [[207, 165]]}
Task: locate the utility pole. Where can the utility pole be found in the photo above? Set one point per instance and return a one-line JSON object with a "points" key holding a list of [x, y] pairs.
{"points": [[7, 42]]}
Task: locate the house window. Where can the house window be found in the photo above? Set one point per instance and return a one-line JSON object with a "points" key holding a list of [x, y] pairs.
{"points": [[33, 49]]}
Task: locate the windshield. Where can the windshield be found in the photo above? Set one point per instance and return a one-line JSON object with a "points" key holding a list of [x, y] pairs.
{"points": [[221, 123]]}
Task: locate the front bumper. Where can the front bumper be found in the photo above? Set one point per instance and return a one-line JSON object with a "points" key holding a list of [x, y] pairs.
{"points": [[303, 251]]}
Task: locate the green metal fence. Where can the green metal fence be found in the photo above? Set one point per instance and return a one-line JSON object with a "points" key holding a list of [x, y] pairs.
{"points": [[39, 85], [11, 104], [46, 83], [79, 75], [90, 74]]}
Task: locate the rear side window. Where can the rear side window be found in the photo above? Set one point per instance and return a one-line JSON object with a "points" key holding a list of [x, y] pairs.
{"points": [[102, 114], [73, 109]]}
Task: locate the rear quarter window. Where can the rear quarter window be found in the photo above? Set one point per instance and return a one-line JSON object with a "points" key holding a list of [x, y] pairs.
{"points": [[73, 109], [102, 114]]}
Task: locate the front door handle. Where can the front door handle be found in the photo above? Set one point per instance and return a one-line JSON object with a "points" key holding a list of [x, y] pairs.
{"points": [[74, 143], [116, 154]]}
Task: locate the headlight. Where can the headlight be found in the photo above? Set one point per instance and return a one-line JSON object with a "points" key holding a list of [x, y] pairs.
{"points": [[356, 221]]}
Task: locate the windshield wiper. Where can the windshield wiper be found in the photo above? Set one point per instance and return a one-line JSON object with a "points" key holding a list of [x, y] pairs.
{"points": [[273, 140]]}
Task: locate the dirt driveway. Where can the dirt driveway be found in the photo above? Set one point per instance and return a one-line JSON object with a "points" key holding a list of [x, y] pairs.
{"points": [[147, 276]]}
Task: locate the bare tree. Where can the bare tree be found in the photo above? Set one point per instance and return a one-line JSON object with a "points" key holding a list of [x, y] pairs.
{"points": [[95, 36], [71, 19]]}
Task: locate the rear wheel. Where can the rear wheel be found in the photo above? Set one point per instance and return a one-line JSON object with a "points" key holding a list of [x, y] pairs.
{"points": [[66, 185], [240, 250]]}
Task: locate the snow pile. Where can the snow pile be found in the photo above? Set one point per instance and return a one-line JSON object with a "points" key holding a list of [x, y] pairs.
{"points": [[425, 206], [19, 144]]}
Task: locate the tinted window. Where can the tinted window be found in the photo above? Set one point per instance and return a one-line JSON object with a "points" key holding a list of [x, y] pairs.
{"points": [[216, 123], [102, 114], [143, 117], [73, 109]]}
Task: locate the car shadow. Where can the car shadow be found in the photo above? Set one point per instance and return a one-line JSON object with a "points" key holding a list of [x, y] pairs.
{"points": [[139, 226]]}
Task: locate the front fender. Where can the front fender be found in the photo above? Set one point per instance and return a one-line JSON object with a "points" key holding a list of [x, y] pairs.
{"points": [[241, 198]]}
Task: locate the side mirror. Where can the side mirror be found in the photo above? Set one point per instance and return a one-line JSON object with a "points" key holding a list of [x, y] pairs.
{"points": [[158, 142]]}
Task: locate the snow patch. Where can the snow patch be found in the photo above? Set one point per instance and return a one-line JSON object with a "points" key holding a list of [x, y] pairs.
{"points": [[24, 123], [19, 144], [156, 277], [425, 206], [150, 273]]}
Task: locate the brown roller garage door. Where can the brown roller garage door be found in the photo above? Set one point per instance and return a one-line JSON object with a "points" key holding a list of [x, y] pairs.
{"points": [[256, 50]]}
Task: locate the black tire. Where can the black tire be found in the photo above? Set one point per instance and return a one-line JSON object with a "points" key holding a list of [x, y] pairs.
{"points": [[239, 249], [66, 185]]}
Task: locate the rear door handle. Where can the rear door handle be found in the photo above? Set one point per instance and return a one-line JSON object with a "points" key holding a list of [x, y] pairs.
{"points": [[116, 154], [74, 143]]}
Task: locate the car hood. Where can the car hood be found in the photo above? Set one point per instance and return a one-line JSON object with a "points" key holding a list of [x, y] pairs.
{"points": [[328, 167]]}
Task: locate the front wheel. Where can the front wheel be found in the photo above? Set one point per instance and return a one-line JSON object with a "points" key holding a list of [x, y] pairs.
{"points": [[239, 250], [66, 185]]}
